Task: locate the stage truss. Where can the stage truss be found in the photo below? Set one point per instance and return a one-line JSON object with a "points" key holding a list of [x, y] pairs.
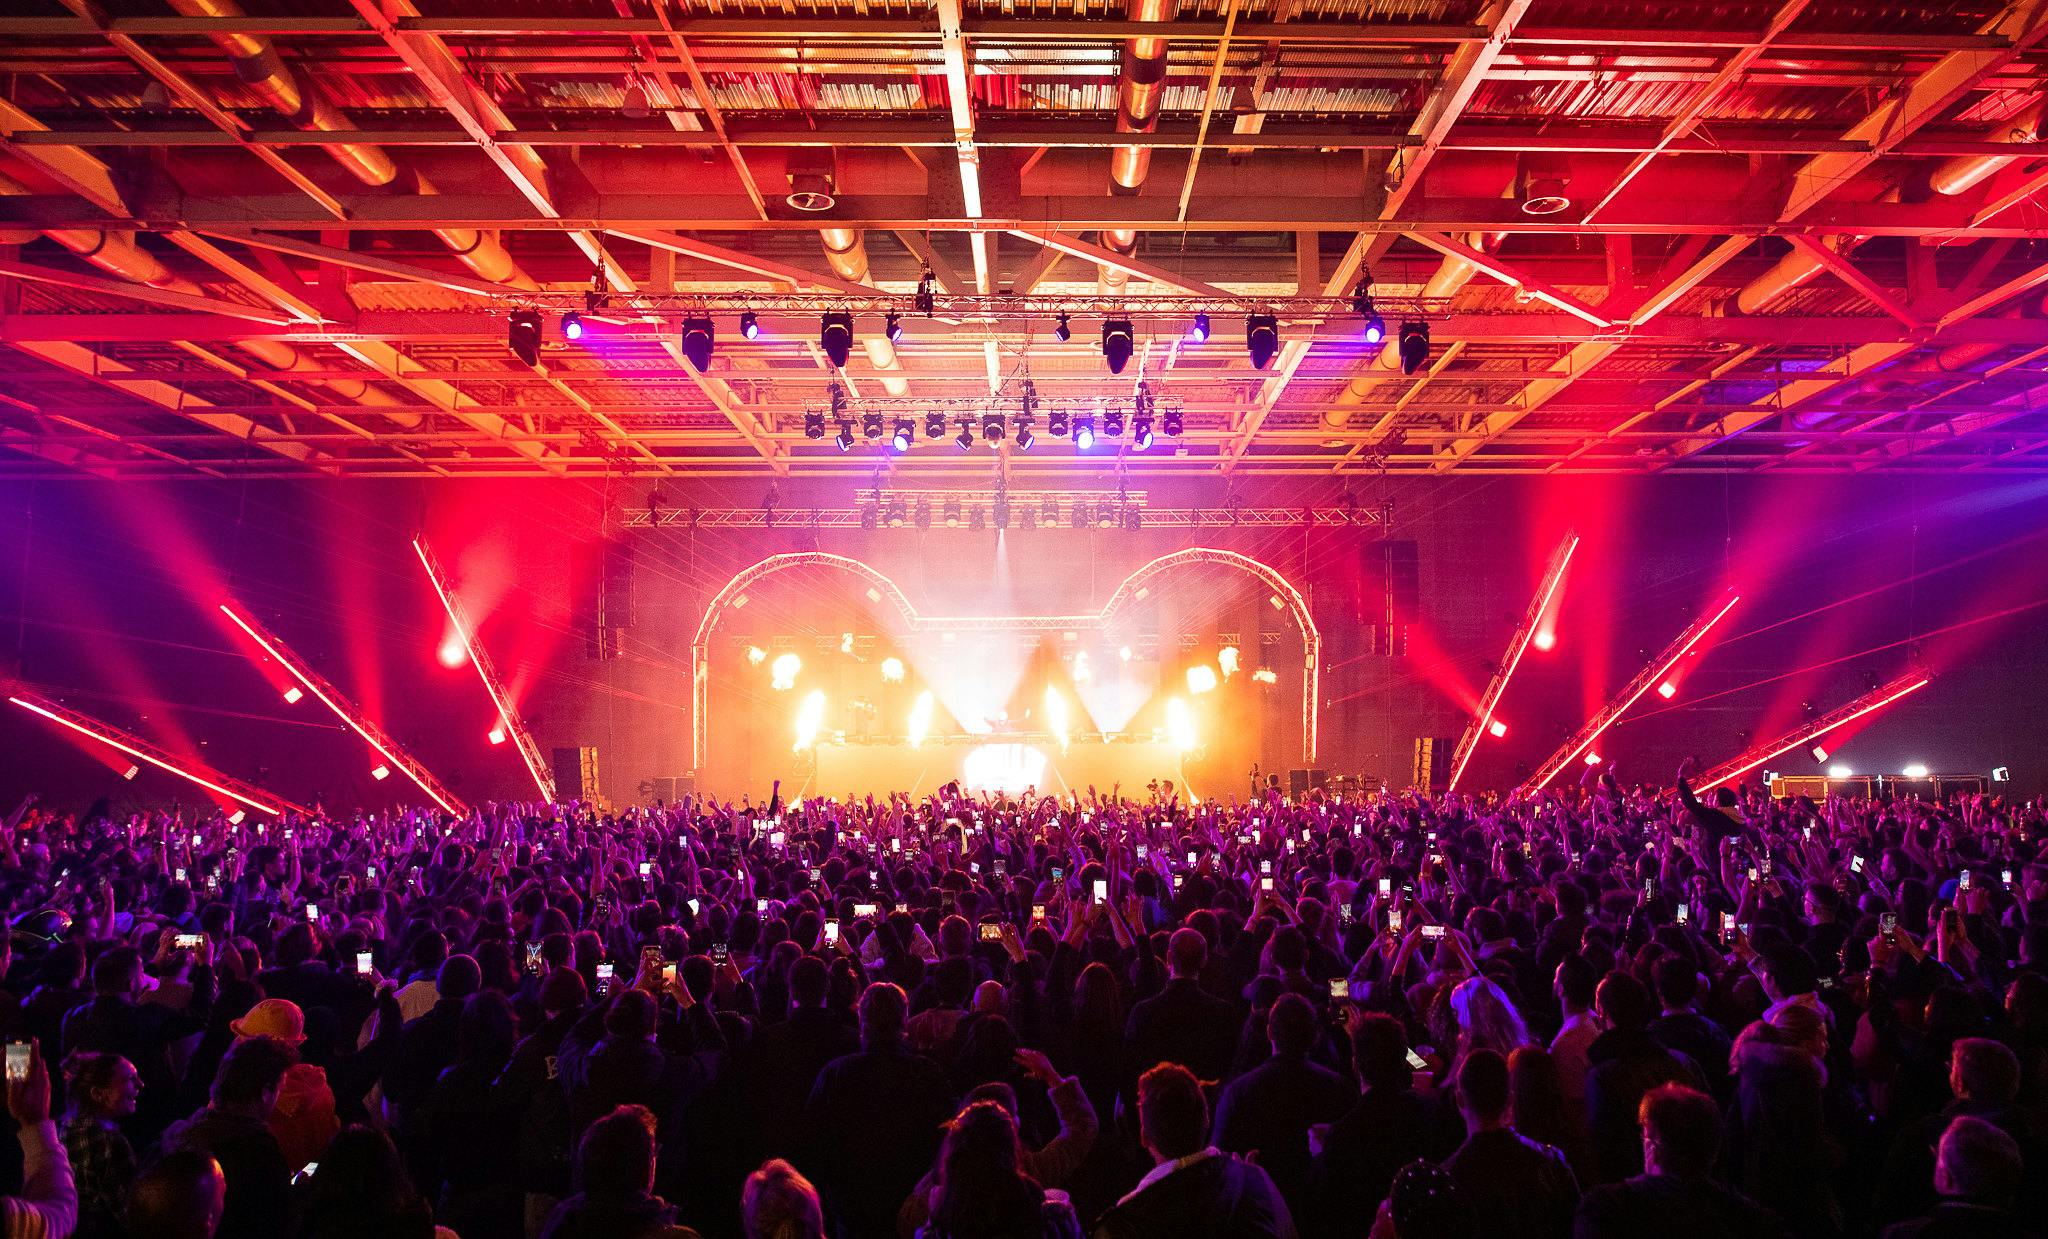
{"points": [[880, 588], [862, 517]]}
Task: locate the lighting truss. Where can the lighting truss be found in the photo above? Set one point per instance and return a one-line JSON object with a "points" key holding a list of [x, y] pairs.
{"points": [[1553, 576], [1650, 675], [1177, 309], [529, 752], [1813, 729], [346, 711], [137, 747], [1325, 517]]}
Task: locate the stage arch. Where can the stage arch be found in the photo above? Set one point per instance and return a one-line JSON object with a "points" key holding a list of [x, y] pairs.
{"points": [[880, 588]]}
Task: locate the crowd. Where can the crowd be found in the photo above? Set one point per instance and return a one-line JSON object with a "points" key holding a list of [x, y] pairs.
{"points": [[1604, 1011]]}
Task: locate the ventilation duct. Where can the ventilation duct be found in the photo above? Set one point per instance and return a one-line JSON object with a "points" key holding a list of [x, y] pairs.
{"points": [[1140, 89], [846, 252]]}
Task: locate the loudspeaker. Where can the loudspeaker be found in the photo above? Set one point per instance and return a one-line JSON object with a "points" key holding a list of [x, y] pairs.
{"points": [[601, 595], [668, 788], [576, 774], [615, 601], [1390, 594], [1301, 782], [1432, 764]]}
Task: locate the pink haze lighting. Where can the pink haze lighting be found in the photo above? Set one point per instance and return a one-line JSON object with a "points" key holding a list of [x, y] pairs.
{"points": [[1553, 576], [135, 746], [480, 658], [1869, 703]]}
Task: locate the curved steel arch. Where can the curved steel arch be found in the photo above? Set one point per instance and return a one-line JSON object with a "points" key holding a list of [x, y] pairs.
{"points": [[882, 589]]}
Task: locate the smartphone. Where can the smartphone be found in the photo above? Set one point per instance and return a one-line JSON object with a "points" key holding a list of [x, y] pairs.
{"points": [[17, 1060], [1727, 923], [1142, 849], [188, 942], [2005, 877], [646, 868], [1650, 886], [1432, 932], [1684, 913], [533, 960], [604, 979], [1265, 884], [1416, 1062], [1386, 887], [181, 874], [1888, 924], [1752, 873], [370, 873], [364, 962], [863, 909], [668, 974], [1101, 890], [974, 867], [305, 1173], [832, 933], [1058, 874], [1266, 867], [760, 907], [312, 912], [1855, 864], [817, 874], [1394, 921], [1191, 860], [650, 958], [1340, 987], [991, 931], [1037, 911], [1963, 882], [721, 952], [695, 906]]}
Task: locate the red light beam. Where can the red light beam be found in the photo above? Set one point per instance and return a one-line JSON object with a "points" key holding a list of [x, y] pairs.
{"points": [[1553, 576], [346, 711], [135, 746], [1813, 729], [1650, 675], [509, 719]]}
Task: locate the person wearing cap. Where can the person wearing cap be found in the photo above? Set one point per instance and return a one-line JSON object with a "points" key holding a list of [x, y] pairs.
{"points": [[304, 1120]]}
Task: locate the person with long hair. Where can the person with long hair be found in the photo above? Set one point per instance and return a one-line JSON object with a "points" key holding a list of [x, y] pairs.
{"points": [[779, 1203], [1487, 1019], [103, 1090], [360, 1187], [979, 1191]]}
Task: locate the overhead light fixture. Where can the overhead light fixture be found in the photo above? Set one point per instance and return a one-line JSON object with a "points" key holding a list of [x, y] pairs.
{"points": [[1667, 690], [1118, 339], [976, 518], [814, 425], [899, 513], [496, 735], [927, 298], [935, 425], [1000, 510], [572, 326], [835, 336], [992, 427], [923, 515], [1497, 729], [952, 514], [845, 437], [1025, 439], [1915, 771], [965, 439], [1056, 423], [1141, 433], [892, 326], [522, 336], [633, 105], [906, 434], [698, 339], [292, 694], [1112, 424], [1545, 182], [1171, 424], [1840, 772], [1105, 514], [1198, 331], [1061, 331], [1375, 329], [1084, 433], [750, 325], [1819, 751], [1414, 345], [871, 426], [1261, 339]]}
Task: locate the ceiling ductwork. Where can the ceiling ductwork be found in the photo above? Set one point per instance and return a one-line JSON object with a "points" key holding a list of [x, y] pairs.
{"points": [[1140, 89], [258, 65], [1964, 172]]}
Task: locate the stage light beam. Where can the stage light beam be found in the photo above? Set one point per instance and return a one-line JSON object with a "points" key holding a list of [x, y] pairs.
{"points": [[509, 720], [1180, 726], [1813, 729], [1201, 679], [1056, 716], [1553, 577], [1915, 770], [135, 746], [810, 718], [920, 719], [1227, 660], [892, 670], [756, 655], [1497, 729], [783, 671], [1667, 690]]}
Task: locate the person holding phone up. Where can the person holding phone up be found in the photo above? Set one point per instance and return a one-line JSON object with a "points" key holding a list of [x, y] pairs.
{"points": [[48, 1205]]}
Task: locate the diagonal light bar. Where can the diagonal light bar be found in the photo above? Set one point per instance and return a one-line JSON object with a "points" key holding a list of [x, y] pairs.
{"points": [[1653, 674], [1553, 576], [346, 711], [1876, 699], [136, 746], [529, 752]]}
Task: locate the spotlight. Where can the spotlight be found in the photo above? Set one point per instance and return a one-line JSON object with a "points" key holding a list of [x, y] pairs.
{"points": [[871, 426], [1840, 772], [1061, 331], [892, 670], [1078, 515], [1593, 759], [1112, 424], [572, 326], [835, 336], [1915, 771], [1198, 331], [845, 437], [1025, 439], [1497, 728], [927, 299], [976, 519], [750, 325], [1667, 690], [1141, 433], [906, 433], [992, 427], [522, 336], [934, 425], [1414, 345], [892, 326], [952, 514], [1819, 752], [869, 518], [1105, 514], [1030, 516], [1375, 330], [496, 735], [899, 513], [1056, 424], [1544, 639], [1170, 423], [1261, 339], [1001, 510], [1084, 433], [924, 514], [1118, 338], [814, 425], [966, 436], [381, 773], [783, 671], [292, 695], [697, 342]]}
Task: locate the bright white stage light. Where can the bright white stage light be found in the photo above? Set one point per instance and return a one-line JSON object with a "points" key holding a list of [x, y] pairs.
{"points": [[892, 670], [1915, 771], [1081, 671], [1124, 652], [292, 695], [1009, 768], [131, 772], [381, 773], [1497, 728], [1266, 675], [782, 672], [810, 717], [496, 735], [1227, 660], [846, 643], [1056, 715], [1593, 759], [1840, 772], [1667, 690], [920, 719], [1820, 752], [1180, 725], [1545, 639], [756, 655], [1201, 678], [452, 653]]}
